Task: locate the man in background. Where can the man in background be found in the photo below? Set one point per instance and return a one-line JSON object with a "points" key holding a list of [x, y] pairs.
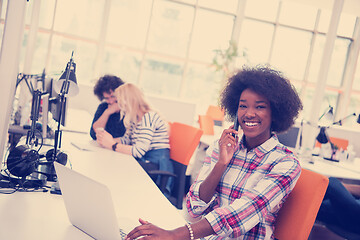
{"points": [[107, 115]]}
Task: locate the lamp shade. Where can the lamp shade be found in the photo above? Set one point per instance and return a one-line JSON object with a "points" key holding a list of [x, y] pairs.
{"points": [[322, 137], [358, 120], [330, 114], [69, 87]]}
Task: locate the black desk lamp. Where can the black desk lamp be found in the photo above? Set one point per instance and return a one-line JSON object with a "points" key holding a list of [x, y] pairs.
{"points": [[323, 138], [328, 113], [23, 160], [65, 86]]}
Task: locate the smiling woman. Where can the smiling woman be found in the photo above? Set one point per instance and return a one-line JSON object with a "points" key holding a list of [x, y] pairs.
{"points": [[243, 184], [274, 88]]}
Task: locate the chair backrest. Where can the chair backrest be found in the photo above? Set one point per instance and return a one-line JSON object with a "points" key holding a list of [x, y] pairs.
{"points": [[216, 113], [184, 139], [339, 142], [206, 124], [297, 215]]}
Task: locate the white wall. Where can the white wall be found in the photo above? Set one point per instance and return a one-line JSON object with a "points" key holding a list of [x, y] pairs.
{"points": [[9, 62], [85, 100], [171, 109], [353, 135]]}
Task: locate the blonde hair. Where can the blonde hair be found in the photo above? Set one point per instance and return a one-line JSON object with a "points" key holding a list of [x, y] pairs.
{"points": [[132, 103]]}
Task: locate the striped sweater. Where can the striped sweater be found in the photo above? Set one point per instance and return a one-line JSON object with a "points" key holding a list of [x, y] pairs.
{"points": [[149, 134]]}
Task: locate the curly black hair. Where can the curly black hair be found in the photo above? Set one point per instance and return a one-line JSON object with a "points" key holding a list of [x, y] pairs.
{"points": [[284, 100], [105, 84]]}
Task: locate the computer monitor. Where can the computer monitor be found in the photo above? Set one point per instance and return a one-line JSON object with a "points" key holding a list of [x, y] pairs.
{"points": [[57, 108], [51, 103], [290, 137]]}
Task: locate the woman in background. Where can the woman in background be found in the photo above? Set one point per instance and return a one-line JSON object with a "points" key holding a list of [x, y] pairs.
{"points": [[242, 184], [147, 133]]}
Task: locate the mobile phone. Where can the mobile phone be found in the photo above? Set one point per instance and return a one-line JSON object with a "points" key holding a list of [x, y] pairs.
{"points": [[236, 124]]}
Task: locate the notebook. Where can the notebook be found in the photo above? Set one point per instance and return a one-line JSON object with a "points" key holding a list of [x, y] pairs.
{"points": [[90, 207]]}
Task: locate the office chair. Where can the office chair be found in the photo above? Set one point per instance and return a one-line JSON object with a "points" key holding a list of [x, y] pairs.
{"points": [[206, 124], [216, 113], [339, 142], [297, 215], [184, 139]]}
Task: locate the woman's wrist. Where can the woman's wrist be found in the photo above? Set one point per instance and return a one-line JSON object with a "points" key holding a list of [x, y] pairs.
{"points": [[181, 233]]}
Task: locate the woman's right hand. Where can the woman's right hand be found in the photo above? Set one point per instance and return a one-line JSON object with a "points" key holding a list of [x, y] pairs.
{"points": [[149, 231]]}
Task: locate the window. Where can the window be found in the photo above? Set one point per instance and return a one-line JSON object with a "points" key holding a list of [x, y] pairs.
{"points": [[291, 50], [167, 46], [161, 76], [211, 31], [256, 39], [170, 28], [296, 14], [268, 10], [128, 22]]}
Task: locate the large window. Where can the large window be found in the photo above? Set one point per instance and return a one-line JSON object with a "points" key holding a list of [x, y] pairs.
{"points": [[167, 46]]}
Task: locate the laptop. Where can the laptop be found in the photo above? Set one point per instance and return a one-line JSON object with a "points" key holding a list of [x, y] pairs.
{"points": [[90, 207]]}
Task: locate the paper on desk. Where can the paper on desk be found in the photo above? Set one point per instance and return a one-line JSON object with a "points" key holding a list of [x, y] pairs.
{"points": [[84, 146]]}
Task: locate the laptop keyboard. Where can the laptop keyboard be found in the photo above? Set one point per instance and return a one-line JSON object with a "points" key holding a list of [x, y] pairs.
{"points": [[122, 233]]}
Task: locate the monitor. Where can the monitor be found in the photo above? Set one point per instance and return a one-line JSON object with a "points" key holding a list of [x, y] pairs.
{"points": [[51, 103], [290, 137], [56, 107]]}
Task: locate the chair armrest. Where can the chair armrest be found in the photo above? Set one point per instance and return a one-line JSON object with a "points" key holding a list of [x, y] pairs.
{"points": [[164, 176], [161, 173]]}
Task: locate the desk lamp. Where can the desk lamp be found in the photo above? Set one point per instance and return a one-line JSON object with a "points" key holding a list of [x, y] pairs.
{"points": [[24, 160], [328, 113], [323, 138], [65, 86]]}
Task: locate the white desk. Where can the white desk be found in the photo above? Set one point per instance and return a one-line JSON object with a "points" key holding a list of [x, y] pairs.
{"points": [[38, 215], [345, 170]]}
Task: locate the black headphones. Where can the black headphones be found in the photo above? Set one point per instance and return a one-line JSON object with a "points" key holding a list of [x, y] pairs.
{"points": [[59, 157], [22, 161]]}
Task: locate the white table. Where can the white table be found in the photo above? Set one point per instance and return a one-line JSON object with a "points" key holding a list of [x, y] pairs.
{"points": [[344, 170], [39, 215]]}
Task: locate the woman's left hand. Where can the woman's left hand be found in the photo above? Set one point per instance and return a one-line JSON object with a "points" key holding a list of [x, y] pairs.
{"points": [[227, 145], [149, 231], [105, 139]]}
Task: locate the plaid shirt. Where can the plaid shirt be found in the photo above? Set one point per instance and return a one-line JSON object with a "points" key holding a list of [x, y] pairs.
{"points": [[250, 192]]}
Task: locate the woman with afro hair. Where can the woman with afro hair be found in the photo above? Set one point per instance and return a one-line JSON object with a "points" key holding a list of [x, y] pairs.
{"points": [[247, 175]]}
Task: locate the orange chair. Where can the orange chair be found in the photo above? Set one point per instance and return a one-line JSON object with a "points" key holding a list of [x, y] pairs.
{"points": [[216, 113], [297, 216], [206, 124], [339, 142], [184, 139]]}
